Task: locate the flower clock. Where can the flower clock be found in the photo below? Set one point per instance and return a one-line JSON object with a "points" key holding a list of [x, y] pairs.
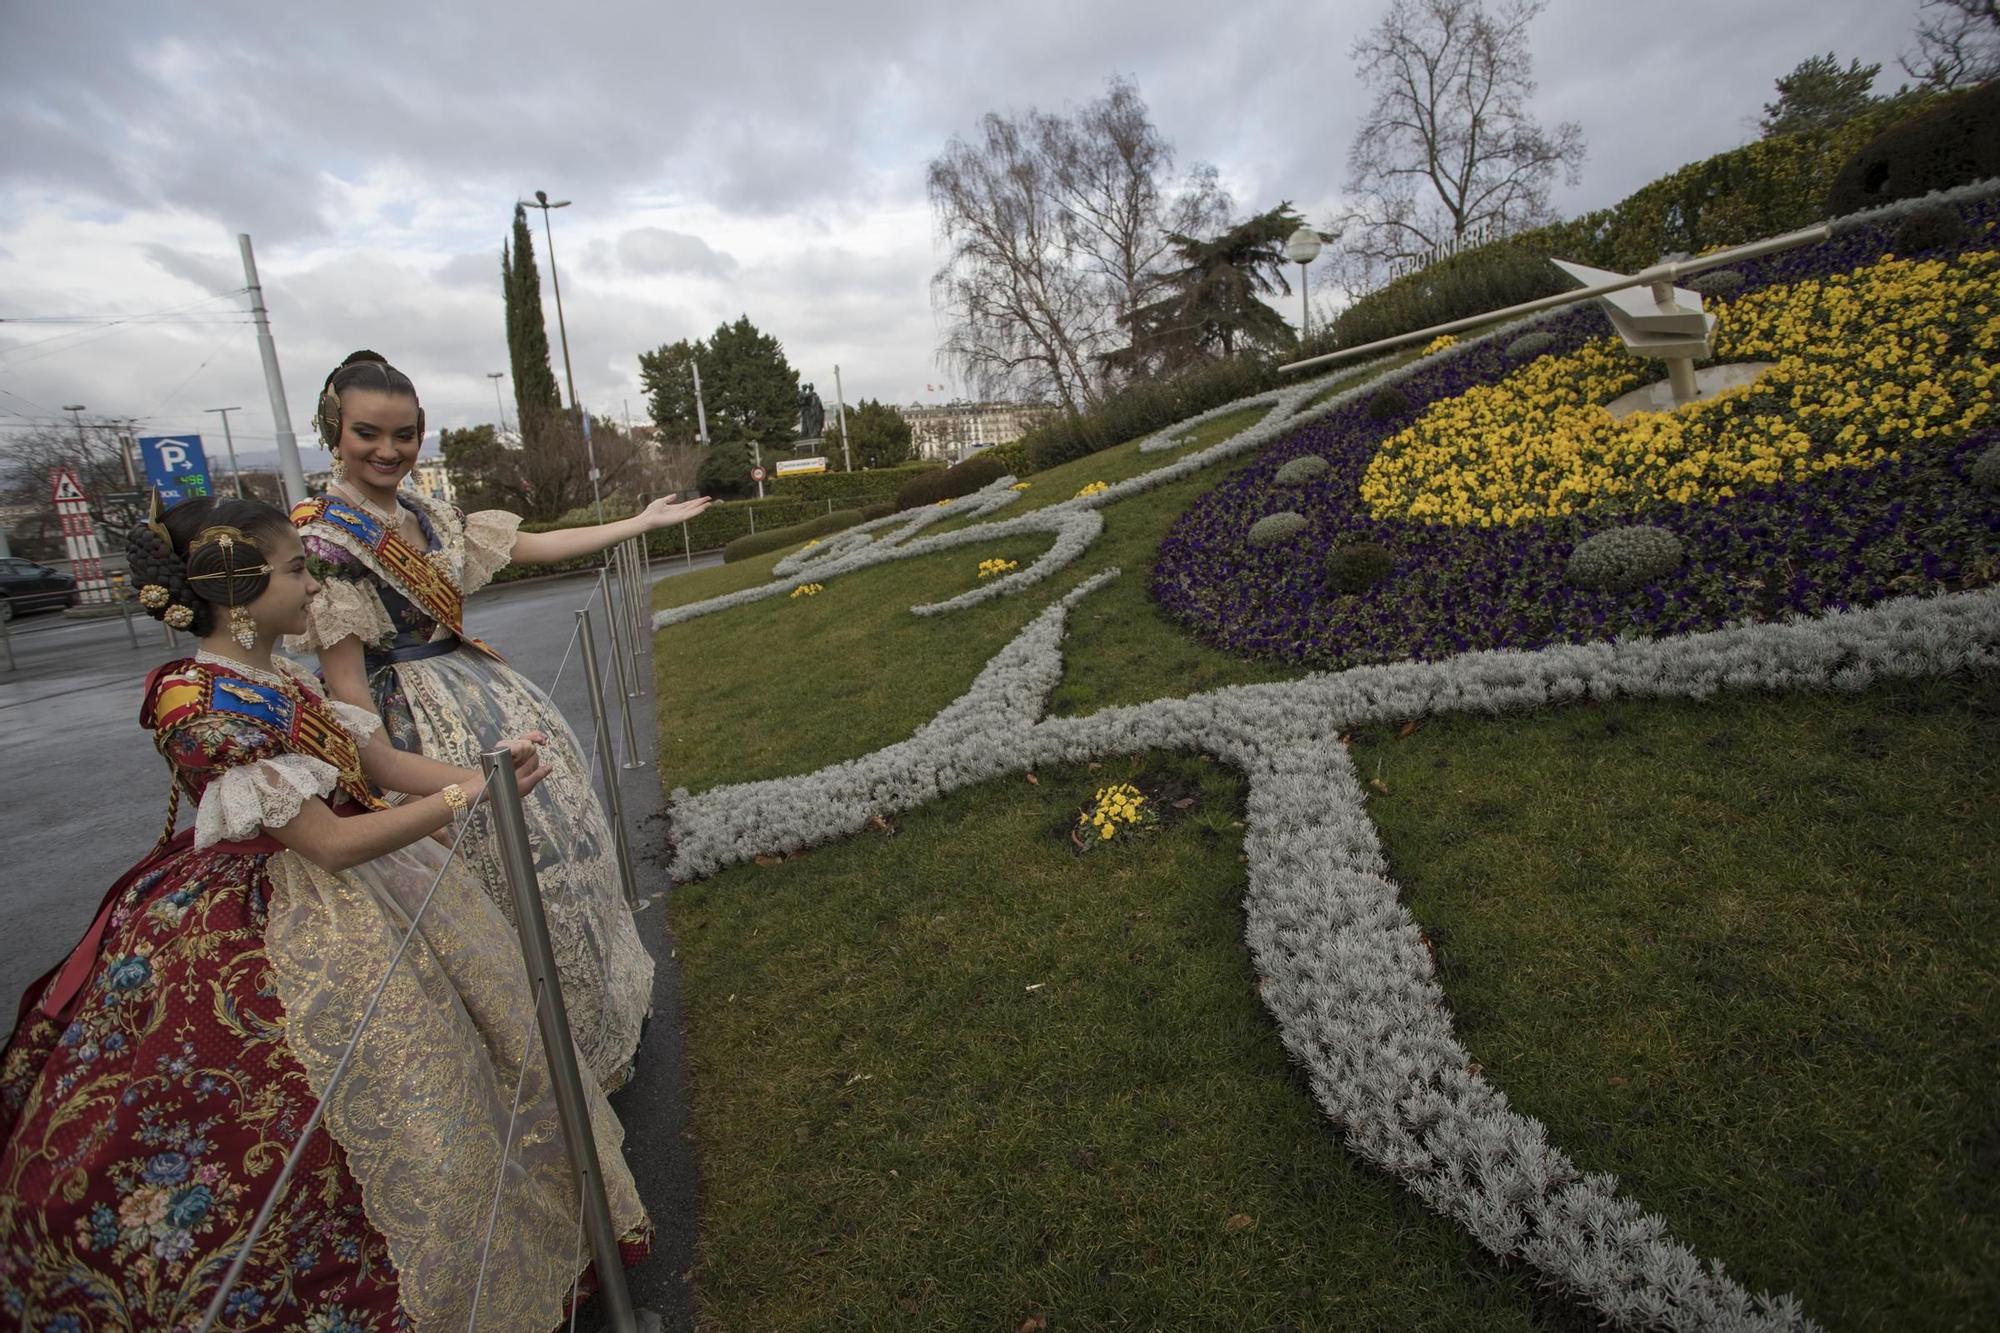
{"points": [[1824, 527]]}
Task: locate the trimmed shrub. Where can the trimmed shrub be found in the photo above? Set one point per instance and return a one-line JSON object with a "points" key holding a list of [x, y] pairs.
{"points": [[1012, 455], [1716, 282], [1954, 141], [1301, 470], [1622, 559], [774, 539], [1388, 401], [1929, 229], [849, 488], [949, 483], [1274, 528], [1357, 566], [877, 509], [1986, 469], [1530, 345]]}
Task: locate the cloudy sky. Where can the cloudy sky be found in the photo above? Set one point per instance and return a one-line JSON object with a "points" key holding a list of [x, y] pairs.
{"points": [[749, 158]]}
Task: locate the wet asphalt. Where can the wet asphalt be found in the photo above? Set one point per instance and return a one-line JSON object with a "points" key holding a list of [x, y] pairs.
{"points": [[83, 796]]}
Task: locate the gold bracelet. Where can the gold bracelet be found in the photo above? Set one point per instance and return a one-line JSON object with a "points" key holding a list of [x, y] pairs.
{"points": [[454, 799]]}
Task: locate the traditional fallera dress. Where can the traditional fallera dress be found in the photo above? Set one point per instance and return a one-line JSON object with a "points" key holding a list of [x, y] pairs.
{"points": [[444, 694], [155, 1082]]}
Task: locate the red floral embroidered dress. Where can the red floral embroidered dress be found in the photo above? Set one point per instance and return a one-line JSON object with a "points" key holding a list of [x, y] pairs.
{"points": [[152, 1090]]}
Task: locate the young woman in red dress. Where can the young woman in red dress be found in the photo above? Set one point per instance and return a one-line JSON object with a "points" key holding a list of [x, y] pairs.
{"points": [[156, 1081]]}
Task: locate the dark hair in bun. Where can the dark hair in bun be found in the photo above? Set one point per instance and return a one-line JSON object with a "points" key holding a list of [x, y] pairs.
{"points": [[173, 561], [361, 370]]}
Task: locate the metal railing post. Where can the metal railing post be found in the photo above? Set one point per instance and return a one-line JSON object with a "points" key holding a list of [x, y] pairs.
{"points": [[511, 826], [687, 546], [601, 718], [125, 610], [642, 621], [7, 641], [632, 759], [621, 606], [628, 588]]}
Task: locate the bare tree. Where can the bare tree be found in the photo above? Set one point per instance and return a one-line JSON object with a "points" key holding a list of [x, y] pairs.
{"points": [[28, 462], [1448, 148], [1958, 44], [1055, 227]]}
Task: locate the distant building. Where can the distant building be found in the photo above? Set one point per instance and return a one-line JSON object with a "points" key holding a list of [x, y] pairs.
{"points": [[429, 480], [955, 430]]}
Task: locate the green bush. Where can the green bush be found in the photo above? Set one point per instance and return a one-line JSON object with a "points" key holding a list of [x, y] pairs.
{"points": [[1622, 559], [1930, 228], [877, 509], [1275, 528], [1986, 469], [1357, 566], [847, 488], [1301, 470], [1472, 282], [1012, 455], [1530, 345], [1716, 282], [1387, 402], [775, 539], [1954, 141], [949, 483]]}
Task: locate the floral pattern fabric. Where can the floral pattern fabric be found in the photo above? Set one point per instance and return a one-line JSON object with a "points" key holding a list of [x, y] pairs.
{"points": [[141, 1132], [455, 707]]}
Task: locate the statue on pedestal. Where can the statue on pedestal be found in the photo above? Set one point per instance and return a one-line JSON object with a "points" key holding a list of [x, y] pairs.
{"points": [[812, 414]]}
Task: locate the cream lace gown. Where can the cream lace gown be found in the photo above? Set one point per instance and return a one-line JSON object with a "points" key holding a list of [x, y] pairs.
{"points": [[453, 702]]}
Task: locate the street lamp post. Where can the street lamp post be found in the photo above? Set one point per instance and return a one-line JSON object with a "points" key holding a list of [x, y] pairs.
{"points": [[1302, 248], [541, 201], [75, 411], [496, 376], [230, 440]]}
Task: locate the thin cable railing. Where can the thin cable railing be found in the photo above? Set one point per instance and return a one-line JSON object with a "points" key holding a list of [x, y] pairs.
{"points": [[547, 1014]]}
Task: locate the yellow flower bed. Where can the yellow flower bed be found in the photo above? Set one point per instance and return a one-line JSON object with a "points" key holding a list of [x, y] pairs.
{"points": [[1019, 486], [1122, 805], [988, 568], [1895, 352], [808, 590], [1093, 488], [1438, 344]]}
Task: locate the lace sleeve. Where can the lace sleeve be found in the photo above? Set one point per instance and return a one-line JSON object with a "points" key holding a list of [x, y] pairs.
{"points": [[345, 608], [361, 723], [489, 545], [263, 794]]}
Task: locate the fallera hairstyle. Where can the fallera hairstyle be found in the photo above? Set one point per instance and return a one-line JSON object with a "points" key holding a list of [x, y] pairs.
{"points": [[361, 370], [180, 559]]}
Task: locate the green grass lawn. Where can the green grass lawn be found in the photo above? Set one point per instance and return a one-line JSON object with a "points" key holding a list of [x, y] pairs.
{"points": [[1739, 952]]}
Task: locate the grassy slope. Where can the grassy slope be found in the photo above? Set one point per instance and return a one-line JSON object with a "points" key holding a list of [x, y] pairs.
{"points": [[1667, 930]]}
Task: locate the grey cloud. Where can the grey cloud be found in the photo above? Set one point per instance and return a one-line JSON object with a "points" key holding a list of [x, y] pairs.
{"points": [[661, 250], [206, 271]]}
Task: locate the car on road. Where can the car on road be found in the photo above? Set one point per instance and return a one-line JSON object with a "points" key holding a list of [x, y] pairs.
{"points": [[27, 586]]}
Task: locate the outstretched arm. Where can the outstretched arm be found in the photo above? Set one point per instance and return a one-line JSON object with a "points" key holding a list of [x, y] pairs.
{"points": [[548, 548]]}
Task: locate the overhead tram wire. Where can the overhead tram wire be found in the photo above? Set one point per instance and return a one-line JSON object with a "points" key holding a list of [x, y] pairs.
{"points": [[104, 328]]}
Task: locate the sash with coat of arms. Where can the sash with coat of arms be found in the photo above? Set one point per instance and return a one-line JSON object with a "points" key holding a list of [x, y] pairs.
{"points": [[413, 572], [182, 691]]}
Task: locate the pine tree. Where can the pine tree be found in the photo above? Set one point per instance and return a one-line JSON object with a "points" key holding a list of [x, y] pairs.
{"points": [[536, 398]]}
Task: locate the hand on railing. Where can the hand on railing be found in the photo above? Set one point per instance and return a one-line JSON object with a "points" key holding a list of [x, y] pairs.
{"points": [[529, 765]]}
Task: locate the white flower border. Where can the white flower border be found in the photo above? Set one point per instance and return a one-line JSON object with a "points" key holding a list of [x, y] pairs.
{"points": [[1345, 971]]}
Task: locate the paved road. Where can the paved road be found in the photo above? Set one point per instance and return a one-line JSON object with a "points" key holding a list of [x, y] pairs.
{"points": [[83, 796]]}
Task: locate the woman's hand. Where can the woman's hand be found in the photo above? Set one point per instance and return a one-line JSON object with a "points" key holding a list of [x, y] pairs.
{"points": [[664, 512], [529, 766]]}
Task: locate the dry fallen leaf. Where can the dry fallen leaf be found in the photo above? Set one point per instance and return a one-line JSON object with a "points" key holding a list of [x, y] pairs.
{"points": [[1038, 985], [1618, 1080], [1095, 766], [1034, 780], [1184, 803], [908, 1304], [1409, 729], [1239, 1222], [1378, 785], [767, 859], [1034, 1323]]}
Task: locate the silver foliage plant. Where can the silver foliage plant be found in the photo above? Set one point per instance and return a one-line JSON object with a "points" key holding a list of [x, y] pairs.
{"points": [[1345, 972]]}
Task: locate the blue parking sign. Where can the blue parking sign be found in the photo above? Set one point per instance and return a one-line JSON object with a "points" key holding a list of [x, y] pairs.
{"points": [[176, 466]]}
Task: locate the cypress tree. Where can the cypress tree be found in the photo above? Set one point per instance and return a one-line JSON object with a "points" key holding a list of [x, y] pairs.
{"points": [[536, 399]]}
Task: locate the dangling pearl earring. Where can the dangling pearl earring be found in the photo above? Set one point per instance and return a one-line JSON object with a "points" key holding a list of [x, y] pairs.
{"points": [[339, 468], [242, 627]]}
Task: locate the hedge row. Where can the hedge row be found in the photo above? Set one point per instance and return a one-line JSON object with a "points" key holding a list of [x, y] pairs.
{"points": [[721, 523], [848, 488], [776, 539], [1762, 189], [1141, 408], [951, 482]]}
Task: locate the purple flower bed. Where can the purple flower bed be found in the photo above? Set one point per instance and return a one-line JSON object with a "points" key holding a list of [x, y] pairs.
{"points": [[1846, 538]]}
